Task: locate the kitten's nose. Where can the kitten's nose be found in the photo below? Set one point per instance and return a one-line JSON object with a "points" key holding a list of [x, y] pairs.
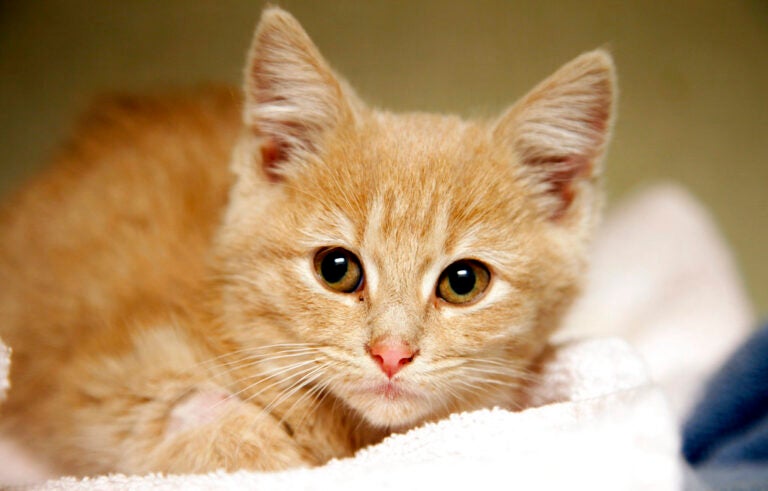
{"points": [[391, 355]]}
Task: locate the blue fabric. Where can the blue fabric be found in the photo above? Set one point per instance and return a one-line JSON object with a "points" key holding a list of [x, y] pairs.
{"points": [[742, 477], [730, 424], [726, 437]]}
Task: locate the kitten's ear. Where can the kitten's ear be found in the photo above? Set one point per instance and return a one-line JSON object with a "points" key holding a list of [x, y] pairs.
{"points": [[292, 97], [559, 130]]}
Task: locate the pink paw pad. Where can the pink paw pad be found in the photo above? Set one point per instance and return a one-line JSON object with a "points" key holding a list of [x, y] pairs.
{"points": [[199, 408]]}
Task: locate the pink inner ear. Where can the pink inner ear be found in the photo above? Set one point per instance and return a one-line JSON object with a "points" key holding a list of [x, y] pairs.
{"points": [[561, 174], [273, 153]]}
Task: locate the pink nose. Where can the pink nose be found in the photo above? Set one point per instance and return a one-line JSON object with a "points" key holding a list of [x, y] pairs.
{"points": [[391, 356]]}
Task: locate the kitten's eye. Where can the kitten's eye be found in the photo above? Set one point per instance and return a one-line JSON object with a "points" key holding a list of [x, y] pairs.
{"points": [[463, 281], [339, 269]]}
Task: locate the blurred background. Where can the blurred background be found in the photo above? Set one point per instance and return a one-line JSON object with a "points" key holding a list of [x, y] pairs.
{"points": [[693, 77]]}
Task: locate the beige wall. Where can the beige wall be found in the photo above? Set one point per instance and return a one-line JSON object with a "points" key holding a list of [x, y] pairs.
{"points": [[693, 75]]}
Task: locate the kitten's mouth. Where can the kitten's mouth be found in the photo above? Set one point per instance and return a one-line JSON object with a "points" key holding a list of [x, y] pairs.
{"points": [[390, 403], [390, 390]]}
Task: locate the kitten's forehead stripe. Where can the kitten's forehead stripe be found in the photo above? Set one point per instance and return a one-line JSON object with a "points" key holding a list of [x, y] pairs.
{"points": [[371, 235], [407, 240]]}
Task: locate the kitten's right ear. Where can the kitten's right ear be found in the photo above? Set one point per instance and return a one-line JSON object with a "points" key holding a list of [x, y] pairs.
{"points": [[292, 97], [560, 129]]}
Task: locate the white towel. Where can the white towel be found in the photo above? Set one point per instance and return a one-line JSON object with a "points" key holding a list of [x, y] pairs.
{"points": [[612, 430]]}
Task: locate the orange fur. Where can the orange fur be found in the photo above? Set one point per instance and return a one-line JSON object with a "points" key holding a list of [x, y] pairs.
{"points": [[165, 315]]}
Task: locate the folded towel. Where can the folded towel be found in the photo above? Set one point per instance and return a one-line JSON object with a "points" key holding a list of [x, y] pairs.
{"points": [[603, 425], [663, 278]]}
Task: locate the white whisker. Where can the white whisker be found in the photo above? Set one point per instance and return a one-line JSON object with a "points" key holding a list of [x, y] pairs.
{"points": [[279, 373]]}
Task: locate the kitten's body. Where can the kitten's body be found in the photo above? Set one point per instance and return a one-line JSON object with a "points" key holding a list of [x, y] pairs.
{"points": [[164, 314]]}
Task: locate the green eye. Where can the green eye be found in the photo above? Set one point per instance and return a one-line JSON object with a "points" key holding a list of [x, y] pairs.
{"points": [[463, 281], [339, 270]]}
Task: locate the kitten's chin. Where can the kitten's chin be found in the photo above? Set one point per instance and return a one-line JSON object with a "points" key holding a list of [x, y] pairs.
{"points": [[390, 405]]}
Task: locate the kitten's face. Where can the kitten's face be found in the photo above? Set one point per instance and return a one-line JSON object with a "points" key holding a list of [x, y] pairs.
{"points": [[412, 264]]}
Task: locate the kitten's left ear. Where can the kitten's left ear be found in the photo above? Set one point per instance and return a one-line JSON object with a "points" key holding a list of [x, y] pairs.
{"points": [[292, 97], [558, 131]]}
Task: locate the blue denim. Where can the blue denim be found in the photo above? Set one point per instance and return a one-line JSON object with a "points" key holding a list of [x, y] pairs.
{"points": [[725, 439]]}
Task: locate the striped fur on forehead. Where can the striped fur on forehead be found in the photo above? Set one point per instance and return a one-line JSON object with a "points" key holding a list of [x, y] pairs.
{"points": [[403, 243], [414, 195]]}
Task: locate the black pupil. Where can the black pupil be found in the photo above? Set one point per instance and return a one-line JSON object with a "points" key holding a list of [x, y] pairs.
{"points": [[462, 279], [334, 267]]}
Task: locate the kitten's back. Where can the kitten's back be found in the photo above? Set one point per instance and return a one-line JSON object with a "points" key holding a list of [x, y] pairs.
{"points": [[120, 223]]}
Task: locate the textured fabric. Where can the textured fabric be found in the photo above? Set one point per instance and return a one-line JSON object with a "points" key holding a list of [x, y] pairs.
{"points": [[603, 425], [662, 278]]}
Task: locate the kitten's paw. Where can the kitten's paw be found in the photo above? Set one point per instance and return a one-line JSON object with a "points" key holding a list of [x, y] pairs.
{"points": [[199, 408], [212, 429]]}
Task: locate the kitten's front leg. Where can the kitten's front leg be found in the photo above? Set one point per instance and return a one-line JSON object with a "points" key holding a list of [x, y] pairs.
{"points": [[157, 408], [210, 429]]}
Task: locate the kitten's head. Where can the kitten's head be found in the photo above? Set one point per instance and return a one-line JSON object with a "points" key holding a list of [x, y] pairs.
{"points": [[420, 260]]}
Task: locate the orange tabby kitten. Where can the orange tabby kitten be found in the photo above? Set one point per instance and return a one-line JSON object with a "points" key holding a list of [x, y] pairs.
{"points": [[204, 282]]}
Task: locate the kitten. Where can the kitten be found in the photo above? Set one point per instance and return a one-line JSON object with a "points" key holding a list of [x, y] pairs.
{"points": [[350, 273]]}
